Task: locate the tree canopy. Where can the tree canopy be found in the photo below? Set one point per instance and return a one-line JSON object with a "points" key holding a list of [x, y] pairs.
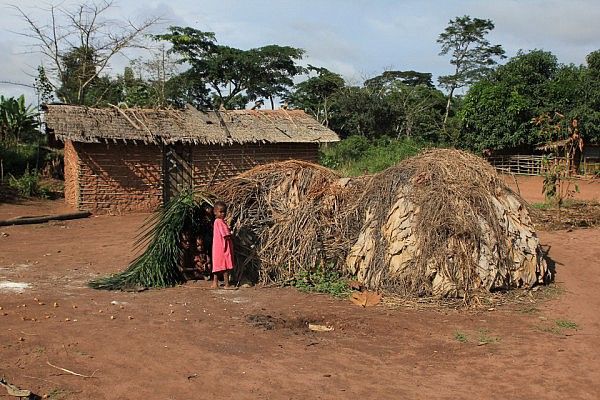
{"points": [[395, 104], [498, 111], [78, 42], [314, 94], [192, 67], [235, 76], [471, 53]]}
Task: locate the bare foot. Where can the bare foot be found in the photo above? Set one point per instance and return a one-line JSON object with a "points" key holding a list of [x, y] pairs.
{"points": [[214, 286]]}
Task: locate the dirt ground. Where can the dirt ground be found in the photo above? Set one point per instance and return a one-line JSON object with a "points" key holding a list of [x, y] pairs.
{"points": [[191, 342], [530, 188]]}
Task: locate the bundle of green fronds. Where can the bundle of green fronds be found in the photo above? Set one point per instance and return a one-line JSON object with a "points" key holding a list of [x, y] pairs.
{"points": [[160, 264]]}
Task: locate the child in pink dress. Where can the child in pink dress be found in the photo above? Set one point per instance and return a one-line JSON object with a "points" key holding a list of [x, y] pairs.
{"points": [[222, 246]]}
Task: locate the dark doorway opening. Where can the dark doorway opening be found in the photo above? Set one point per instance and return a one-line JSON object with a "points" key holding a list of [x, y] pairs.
{"points": [[177, 170]]}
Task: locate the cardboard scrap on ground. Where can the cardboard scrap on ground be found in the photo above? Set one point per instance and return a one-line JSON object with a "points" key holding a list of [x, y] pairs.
{"points": [[12, 390], [366, 298], [320, 328]]}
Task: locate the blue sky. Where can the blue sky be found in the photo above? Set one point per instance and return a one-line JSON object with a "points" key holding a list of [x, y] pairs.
{"points": [[358, 39]]}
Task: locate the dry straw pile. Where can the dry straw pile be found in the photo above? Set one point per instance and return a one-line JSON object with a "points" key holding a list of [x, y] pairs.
{"points": [[441, 223]]}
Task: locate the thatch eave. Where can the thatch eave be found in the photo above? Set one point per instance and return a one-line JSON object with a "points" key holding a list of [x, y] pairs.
{"points": [[93, 125]]}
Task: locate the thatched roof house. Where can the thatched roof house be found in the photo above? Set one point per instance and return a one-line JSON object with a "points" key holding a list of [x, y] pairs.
{"points": [[190, 126], [119, 160], [553, 146]]}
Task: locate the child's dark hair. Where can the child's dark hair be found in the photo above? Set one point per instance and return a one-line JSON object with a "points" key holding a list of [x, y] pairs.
{"points": [[220, 205]]}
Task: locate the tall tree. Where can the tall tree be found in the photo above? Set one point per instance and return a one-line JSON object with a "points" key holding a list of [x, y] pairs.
{"points": [[497, 111], [79, 42], [471, 53], [43, 86], [235, 75], [314, 94], [78, 75], [361, 111], [418, 110], [411, 78], [593, 61], [274, 68]]}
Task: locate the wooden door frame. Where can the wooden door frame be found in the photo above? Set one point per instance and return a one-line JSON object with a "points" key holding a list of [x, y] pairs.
{"points": [[175, 148]]}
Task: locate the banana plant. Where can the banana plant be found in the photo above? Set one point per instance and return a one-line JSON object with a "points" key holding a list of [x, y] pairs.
{"points": [[17, 120]]}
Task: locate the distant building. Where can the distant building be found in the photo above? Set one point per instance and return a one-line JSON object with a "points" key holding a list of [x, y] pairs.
{"points": [[133, 160]]}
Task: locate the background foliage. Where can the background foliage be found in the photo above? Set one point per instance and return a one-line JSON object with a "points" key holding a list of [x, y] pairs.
{"points": [[381, 120]]}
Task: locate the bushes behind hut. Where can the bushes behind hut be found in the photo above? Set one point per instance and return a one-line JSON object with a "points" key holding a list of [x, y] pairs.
{"points": [[358, 155]]}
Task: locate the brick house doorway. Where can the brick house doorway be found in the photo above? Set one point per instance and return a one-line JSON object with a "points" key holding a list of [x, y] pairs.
{"points": [[177, 169]]}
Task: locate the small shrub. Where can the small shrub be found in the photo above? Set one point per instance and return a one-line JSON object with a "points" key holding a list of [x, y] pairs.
{"points": [[352, 148], [28, 185], [322, 281], [16, 159]]}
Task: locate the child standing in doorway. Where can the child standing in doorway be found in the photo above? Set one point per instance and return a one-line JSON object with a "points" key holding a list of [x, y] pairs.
{"points": [[222, 247]]}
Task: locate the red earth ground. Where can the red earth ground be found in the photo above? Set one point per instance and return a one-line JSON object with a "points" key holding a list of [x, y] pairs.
{"points": [[188, 342], [530, 187]]}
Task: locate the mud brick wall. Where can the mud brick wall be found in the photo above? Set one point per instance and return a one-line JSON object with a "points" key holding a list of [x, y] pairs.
{"points": [[119, 178], [215, 163], [71, 173]]}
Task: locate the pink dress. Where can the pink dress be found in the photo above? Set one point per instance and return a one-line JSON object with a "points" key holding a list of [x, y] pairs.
{"points": [[222, 247]]}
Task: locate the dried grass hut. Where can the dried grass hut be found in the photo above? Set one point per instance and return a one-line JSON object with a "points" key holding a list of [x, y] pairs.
{"points": [[442, 223], [132, 160]]}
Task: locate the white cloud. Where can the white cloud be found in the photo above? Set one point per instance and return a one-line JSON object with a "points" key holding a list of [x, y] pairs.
{"points": [[356, 39]]}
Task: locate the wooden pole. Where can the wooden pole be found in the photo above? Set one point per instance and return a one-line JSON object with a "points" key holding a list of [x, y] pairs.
{"points": [[44, 218]]}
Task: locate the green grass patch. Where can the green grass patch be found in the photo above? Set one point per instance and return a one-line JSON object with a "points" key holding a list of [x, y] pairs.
{"points": [[57, 394], [322, 281], [564, 324], [566, 203], [559, 327], [548, 292], [529, 310], [555, 330], [542, 206], [461, 337], [485, 338]]}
